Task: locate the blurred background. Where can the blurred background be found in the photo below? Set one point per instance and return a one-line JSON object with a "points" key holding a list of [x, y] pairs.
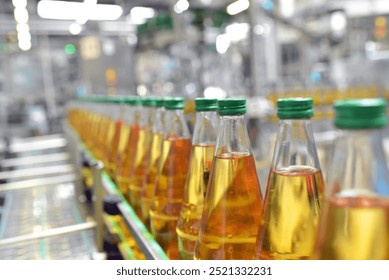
{"points": [[54, 51]]}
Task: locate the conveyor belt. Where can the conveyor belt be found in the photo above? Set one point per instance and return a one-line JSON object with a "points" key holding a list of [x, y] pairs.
{"points": [[40, 201]]}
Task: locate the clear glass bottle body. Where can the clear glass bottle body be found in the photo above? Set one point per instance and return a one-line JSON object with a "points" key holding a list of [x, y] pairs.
{"points": [[141, 159], [104, 130], [233, 201], [129, 144], [113, 137], [355, 219], [169, 190], [203, 150], [150, 178], [293, 198]]}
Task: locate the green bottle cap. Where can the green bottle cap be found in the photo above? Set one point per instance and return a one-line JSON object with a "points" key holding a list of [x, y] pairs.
{"points": [[232, 106], [99, 98], [133, 100], [174, 103], [148, 102], [117, 99], [206, 104], [295, 108], [159, 101], [360, 113]]}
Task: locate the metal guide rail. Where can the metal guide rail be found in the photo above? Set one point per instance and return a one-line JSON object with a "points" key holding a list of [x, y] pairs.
{"points": [[40, 217], [147, 244]]}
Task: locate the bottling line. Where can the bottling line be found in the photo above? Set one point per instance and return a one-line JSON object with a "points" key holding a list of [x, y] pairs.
{"points": [[69, 70]]}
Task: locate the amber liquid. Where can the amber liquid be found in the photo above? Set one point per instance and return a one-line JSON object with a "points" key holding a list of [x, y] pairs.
{"points": [[232, 210], [139, 170], [97, 128], [188, 224], [151, 177], [354, 228], [108, 141], [169, 193], [120, 151], [291, 214], [112, 152], [101, 136], [127, 163]]}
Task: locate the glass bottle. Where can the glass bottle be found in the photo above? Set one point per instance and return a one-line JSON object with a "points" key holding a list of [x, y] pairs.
{"points": [[355, 218], [111, 115], [233, 201], [114, 138], [150, 178], [96, 125], [172, 172], [128, 143], [142, 153], [203, 149], [295, 187], [103, 120]]}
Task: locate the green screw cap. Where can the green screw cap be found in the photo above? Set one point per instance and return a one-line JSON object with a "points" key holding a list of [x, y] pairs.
{"points": [[206, 104], [174, 103], [232, 106], [133, 100], [360, 113], [295, 108], [159, 102], [117, 99], [100, 98], [148, 102]]}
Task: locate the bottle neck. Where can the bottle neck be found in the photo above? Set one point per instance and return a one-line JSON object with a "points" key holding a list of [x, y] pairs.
{"points": [[358, 165], [159, 121], [132, 114], [233, 136], [147, 117], [122, 112], [206, 128], [295, 145], [175, 124]]}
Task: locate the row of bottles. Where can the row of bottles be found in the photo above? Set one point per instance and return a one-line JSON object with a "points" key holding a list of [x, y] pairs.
{"points": [[327, 95], [200, 196]]}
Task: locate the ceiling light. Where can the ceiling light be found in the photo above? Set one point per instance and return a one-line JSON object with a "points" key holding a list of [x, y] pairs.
{"points": [[237, 31], [338, 21], [139, 15], [21, 15], [181, 6], [22, 27], [75, 10], [222, 43], [24, 45], [75, 28], [287, 7], [238, 7], [24, 36], [142, 12]]}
